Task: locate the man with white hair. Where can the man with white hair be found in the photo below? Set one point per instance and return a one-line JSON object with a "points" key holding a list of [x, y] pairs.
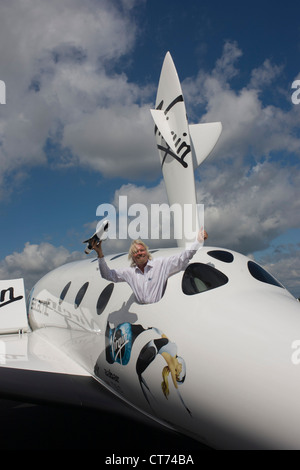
{"points": [[146, 276]]}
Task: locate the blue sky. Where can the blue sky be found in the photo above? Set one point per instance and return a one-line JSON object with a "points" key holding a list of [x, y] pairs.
{"points": [[76, 130]]}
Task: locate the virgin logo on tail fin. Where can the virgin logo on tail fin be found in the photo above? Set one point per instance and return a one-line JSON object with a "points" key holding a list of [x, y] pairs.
{"points": [[11, 297], [171, 140], [13, 314], [162, 126], [175, 137]]}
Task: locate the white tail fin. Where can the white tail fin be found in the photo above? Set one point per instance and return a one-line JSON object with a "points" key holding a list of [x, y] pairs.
{"points": [[204, 137], [181, 147]]}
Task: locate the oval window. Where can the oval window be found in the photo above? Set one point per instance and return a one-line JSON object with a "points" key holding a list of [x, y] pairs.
{"points": [[221, 255], [64, 292], [199, 277], [261, 274], [80, 294], [104, 298]]}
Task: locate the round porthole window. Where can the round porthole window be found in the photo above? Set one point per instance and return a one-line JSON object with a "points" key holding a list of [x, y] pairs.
{"points": [[104, 298], [80, 294], [64, 292]]}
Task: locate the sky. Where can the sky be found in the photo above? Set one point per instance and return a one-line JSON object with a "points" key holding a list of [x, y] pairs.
{"points": [[76, 131]]}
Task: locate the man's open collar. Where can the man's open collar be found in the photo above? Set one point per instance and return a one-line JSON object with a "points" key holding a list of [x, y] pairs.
{"points": [[148, 265]]}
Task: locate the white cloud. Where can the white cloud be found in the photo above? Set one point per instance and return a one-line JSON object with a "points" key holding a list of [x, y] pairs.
{"points": [[59, 62], [147, 197], [246, 208], [35, 261], [284, 264], [142, 194], [250, 127], [115, 141], [264, 75], [225, 66], [58, 65]]}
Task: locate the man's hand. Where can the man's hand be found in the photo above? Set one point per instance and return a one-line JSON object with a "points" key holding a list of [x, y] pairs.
{"points": [[202, 235], [96, 245]]}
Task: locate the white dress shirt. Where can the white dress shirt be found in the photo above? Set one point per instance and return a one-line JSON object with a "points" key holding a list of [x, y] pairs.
{"points": [[149, 286]]}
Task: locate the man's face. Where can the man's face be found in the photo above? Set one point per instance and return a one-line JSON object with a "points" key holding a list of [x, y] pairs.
{"points": [[140, 256]]}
